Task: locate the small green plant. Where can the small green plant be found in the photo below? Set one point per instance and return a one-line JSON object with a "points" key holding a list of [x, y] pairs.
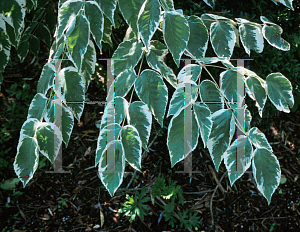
{"points": [[12, 113], [167, 213], [61, 203], [172, 191], [272, 226], [173, 194], [189, 220], [134, 205]]}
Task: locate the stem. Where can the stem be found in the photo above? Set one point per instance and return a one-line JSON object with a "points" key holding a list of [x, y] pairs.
{"points": [[211, 199], [216, 66], [45, 110], [225, 100]]}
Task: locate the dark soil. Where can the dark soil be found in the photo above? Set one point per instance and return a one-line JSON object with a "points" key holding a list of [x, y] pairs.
{"points": [[77, 201]]}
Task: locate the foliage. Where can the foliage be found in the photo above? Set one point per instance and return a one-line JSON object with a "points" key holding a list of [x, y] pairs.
{"points": [[197, 107], [172, 191], [189, 220], [135, 206], [62, 203], [13, 112]]}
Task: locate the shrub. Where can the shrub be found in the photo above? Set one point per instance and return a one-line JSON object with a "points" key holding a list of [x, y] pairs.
{"points": [[211, 108]]}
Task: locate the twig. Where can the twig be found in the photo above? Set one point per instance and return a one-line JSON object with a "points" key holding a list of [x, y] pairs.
{"points": [[254, 219], [128, 189], [289, 150], [268, 211], [145, 224], [28, 221], [201, 192], [211, 199], [216, 179], [78, 228]]}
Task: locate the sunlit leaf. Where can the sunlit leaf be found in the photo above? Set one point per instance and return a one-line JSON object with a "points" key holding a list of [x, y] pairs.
{"points": [[176, 34], [238, 157], [148, 20], [221, 134], [279, 90], [111, 174], [27, 159], [266, 172], [151, 89], [141, 119], [179, 146]]}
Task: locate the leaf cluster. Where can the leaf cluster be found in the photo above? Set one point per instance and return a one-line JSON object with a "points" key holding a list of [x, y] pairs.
{"points": [[189, 220], [83, 26], [134, 206], [174, 195], [171, 192]]}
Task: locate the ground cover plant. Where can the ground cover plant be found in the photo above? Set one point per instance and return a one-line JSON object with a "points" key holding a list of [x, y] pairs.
{"points": [[198, 107]]}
